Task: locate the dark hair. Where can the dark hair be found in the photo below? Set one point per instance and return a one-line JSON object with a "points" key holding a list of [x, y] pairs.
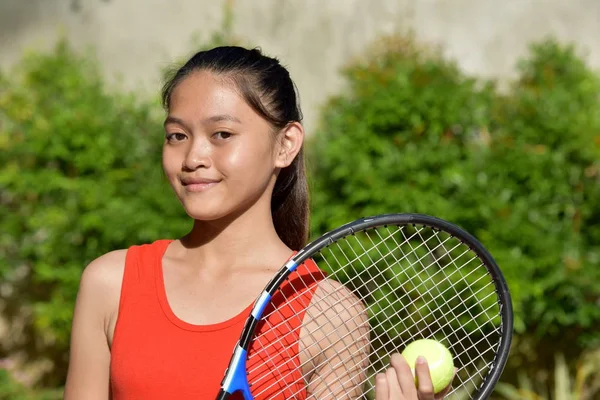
{"points": [[268, 88]]}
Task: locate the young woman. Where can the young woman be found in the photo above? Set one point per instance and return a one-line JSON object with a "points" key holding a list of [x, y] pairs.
{"points": [[159, 321]]}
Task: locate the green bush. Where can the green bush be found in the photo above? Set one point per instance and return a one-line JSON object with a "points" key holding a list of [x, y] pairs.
{"points": [[542, 163], [81, 175], [398, 139], [10, 389], [544, 160], [412, 133], [583, 383]]}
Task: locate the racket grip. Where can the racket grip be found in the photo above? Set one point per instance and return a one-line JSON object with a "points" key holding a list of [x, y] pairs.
{"points": [[223, 395]]}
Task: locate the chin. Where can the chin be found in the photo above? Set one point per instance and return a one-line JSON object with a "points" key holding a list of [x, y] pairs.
{"points": [[215, 210], [203, 208], [206, 213], [217, 206]]}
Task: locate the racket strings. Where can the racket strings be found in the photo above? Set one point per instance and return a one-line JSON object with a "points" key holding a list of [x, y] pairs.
{"points": [[467, 287], [419, 260], [344, 362], [349, 262], [459, 270], [457, 294], [315, 342], [369, 255], [354, 358], [490, 346], [358, 348], [289, 302], [263, 345], [273, 364]]}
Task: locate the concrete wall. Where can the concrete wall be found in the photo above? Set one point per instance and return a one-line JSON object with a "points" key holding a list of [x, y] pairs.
{"points": [[135, 39]]}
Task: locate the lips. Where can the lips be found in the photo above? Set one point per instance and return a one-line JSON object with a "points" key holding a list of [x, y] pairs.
{"points": [[198, 184]]}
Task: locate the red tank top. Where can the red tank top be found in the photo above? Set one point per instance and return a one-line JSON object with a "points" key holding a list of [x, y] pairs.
{"points": [[155, 355]]}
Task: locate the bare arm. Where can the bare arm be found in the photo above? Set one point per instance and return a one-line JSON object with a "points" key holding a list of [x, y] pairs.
{"points": [[97, 302], [337, 322]]}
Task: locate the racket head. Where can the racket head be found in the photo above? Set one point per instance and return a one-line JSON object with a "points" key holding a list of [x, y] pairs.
{"points": [[495, 293]]}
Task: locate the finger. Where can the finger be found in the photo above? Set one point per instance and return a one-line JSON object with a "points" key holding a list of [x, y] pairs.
{"points": [[395, 391], [405, 376], [382, 391], [425, 386]]}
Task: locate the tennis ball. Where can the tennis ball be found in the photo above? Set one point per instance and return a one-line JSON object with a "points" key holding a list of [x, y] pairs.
{"points": [[439, 359]]}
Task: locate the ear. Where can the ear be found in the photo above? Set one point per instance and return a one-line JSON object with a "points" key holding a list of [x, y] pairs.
{"points": [[289, 143]]}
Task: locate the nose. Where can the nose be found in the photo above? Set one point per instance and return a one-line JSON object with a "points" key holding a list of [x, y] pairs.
{"points": [[198, 156]]}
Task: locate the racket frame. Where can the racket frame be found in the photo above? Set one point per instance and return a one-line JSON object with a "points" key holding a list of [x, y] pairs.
{"points": [[235, 378]]}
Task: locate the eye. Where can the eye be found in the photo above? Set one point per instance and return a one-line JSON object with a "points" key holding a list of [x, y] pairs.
{"points": [[222, 135], [175, 137]]}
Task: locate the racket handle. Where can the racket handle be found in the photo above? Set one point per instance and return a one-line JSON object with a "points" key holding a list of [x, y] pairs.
{"points": [[223, 395]]}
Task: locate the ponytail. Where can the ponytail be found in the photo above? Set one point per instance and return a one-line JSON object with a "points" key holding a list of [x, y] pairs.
{"points": [[290, 204]]}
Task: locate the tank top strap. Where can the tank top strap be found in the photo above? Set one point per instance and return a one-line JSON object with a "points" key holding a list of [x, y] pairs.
{"points": [[138, 288], [141, 260], [140, 264]]}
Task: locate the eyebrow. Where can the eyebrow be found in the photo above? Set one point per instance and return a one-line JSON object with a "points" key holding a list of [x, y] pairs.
{"points": [[221, 118], [215, 118]]}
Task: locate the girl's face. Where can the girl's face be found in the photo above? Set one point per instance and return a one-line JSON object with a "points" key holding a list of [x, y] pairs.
{"points": [[219, 155]]}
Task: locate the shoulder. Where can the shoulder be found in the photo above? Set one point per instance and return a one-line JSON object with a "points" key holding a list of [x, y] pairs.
{"points": [[331, 300], [336, 325], [98, 297], [338, 303], [100, 284], [335, 309], [102, 278], [105, 271]]}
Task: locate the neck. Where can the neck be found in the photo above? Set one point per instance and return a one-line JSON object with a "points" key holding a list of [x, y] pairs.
{"points": [[238, 240]]}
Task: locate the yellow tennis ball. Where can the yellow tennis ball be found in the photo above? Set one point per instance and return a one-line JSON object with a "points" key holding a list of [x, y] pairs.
{"points": [[439, 359]]}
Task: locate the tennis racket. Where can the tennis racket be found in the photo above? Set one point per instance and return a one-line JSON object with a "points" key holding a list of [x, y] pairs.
{"points": [[328, 321]]}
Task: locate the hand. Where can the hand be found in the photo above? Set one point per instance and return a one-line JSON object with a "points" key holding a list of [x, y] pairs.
{"points": [[397, 383]]}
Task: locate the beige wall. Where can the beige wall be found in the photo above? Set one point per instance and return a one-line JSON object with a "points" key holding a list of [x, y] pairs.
{"points": [[135, 39]]}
